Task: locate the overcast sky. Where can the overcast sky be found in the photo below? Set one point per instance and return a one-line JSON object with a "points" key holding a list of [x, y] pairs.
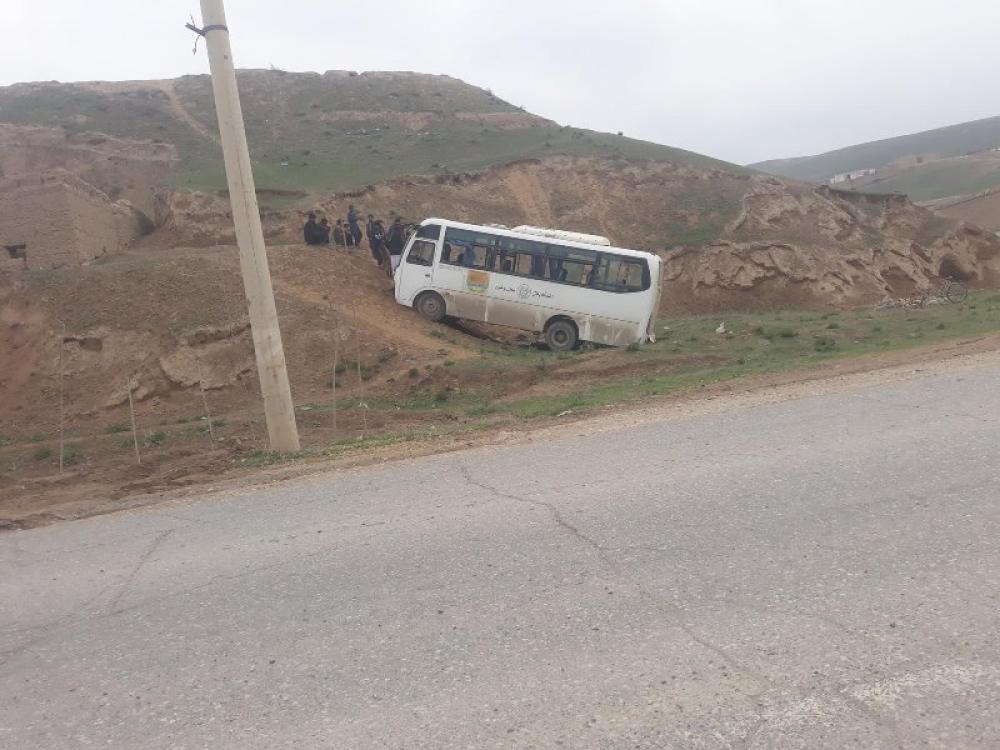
{"points": [[742, 80]]}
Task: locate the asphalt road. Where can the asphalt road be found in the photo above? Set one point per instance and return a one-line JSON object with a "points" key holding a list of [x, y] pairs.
{"points": [[818, 572]]}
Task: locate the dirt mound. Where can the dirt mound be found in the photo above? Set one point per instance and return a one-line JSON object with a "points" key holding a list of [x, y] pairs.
{"points": [[982, 209], [64, 221], [639, 204], [167, 322], [737, 241], [794, 246], [136, 171]]}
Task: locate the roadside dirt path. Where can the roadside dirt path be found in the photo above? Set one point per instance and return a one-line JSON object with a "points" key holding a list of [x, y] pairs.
{"points": [[78, 497]]}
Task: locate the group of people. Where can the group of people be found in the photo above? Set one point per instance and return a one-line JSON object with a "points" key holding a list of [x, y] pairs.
{"points": [[386, 245]]}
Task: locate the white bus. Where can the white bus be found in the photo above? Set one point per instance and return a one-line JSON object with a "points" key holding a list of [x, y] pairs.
{"points": [[569, 291]]}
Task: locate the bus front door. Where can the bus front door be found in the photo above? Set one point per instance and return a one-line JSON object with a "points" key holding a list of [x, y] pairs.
{"points": [[416, 271]]}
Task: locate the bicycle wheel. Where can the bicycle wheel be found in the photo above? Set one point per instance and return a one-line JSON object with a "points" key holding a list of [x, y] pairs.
{"points": [[955, 292]]}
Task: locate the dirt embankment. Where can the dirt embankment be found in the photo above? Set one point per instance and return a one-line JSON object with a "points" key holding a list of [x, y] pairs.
{"points": [[792, 246], [729, 240], [135, 171], [982, 209], [63, 221], [639, 204], [165, 323]]}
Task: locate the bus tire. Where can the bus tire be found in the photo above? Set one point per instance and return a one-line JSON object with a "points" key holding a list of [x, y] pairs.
{"points": [[561, 335], [431, 306]]}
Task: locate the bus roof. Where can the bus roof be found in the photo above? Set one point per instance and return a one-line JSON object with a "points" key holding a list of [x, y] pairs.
{"points": [[562, 234], [536, 238]]}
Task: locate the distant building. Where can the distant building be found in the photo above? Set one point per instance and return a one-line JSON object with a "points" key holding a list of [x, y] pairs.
{"points": [[850, 176]]}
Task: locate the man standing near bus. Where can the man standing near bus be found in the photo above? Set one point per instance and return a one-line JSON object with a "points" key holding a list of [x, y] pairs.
{"points": [[370, 234], [395, 240], [354, 225]]}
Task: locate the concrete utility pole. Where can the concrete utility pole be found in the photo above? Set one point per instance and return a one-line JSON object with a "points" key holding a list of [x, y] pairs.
{"points": [[278, 407]]}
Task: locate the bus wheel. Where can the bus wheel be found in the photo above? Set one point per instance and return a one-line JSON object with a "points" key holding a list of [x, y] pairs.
{"points": [[560, 335], [431, 306]]}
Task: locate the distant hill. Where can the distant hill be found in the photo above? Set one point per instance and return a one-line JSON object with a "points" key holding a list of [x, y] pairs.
{"points": [[951, 141], [932, 178], [322, 132]]}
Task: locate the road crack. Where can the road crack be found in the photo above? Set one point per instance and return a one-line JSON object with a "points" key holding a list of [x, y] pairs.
{"points": [[140, 564], [602, 552]]}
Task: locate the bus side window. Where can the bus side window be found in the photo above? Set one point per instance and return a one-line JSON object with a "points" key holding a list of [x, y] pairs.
{"points": [[523, 264], [479, 258], [536, 262], [571, 265]]}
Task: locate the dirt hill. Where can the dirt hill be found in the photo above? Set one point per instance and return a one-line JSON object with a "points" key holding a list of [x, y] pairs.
{"points": [[954, 140], [170, 314], [817, 247], [731, 241], [311, 132], [982, 209], [165, 312]]}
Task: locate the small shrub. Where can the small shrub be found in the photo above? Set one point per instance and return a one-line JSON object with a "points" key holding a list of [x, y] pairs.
{"points": [[72, 455], [824, 343], [112, 429], [441, 396], [787, 333], [42, 453], [438, 334], [633, 347], [449, 363], [877, 329], [414, 372], [941, 326], [833, 326], [156, 438]]}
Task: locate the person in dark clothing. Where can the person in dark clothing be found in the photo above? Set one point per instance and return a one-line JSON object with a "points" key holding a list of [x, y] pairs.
{"points": [[396, 237], [339, 238], [354, 224], [348, 235], [467, 258], [369, 231], [378, 244], [395, 240], [311, 232], [324, 232]]}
